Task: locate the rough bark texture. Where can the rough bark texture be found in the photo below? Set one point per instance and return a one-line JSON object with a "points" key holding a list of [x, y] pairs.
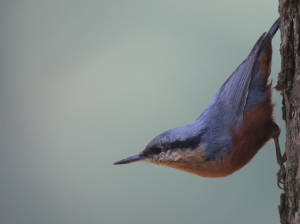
{"points": [[289, 85]]}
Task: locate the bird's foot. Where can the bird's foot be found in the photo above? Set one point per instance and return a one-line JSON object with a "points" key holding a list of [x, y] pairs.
{"points": [[281, 173], [280, 159]]}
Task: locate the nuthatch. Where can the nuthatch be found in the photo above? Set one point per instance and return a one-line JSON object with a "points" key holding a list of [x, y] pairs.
{"points": [[235, 125]]}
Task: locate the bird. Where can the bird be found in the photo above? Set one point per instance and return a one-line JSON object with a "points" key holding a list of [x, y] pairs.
{"points": [[236, 124]]}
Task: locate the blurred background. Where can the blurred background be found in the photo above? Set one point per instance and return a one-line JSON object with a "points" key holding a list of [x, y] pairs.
{"points": [[86, 83]]}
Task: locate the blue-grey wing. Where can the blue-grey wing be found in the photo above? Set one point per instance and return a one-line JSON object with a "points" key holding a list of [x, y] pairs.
{"points": [[229, 103]]}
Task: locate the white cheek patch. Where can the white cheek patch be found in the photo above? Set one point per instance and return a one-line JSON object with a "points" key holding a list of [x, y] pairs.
{"points": [[168, 156], [188, 156], [177, 155]]}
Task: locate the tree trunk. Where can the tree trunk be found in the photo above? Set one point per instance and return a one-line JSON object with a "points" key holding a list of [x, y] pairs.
{"points": [[289, 85]]}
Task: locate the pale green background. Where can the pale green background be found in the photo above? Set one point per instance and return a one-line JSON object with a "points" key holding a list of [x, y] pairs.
{"points": [[86, 83]]}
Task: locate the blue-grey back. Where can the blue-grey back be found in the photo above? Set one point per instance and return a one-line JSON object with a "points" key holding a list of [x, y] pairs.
{"points": [[241, 93]]}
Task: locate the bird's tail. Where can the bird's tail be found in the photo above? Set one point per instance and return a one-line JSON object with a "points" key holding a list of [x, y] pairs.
{"points": [[269, 36]]}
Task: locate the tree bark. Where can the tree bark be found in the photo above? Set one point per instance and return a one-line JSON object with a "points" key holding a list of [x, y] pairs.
{"points": [[289, 84]]}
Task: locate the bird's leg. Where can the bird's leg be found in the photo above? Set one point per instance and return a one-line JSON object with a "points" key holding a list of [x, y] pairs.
{"points": [[280, 159]]}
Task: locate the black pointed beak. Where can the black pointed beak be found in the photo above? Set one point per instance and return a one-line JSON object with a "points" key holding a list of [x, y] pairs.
{"points": [[131, 159]]}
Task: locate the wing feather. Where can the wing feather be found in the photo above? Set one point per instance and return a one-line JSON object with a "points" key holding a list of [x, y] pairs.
{"points": [[231, 99], [242, 77]]}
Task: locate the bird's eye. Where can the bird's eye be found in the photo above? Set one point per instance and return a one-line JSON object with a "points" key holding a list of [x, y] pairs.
{"points": [[156, 150]]}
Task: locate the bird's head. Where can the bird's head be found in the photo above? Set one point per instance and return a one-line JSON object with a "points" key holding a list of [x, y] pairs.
{"points": [[171, 149]]}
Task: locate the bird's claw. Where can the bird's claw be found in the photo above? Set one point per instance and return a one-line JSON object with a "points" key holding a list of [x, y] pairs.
{"points": [[281, 159], [281, 174]]}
